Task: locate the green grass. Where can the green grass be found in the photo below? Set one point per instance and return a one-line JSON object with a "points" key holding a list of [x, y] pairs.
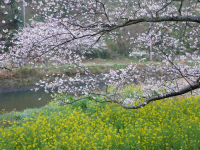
{"points": [[167, 124], [95, 66], [119, 66]]}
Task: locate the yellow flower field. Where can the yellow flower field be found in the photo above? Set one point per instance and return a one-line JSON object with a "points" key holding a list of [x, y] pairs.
{"points": [[168, 124]]}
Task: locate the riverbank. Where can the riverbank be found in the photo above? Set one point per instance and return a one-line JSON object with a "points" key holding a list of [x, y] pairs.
{"points": [[18, 84], [25, 77]]}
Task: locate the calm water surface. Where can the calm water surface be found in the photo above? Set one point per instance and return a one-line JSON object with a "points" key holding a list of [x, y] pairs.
{"points": [[23, 99]]}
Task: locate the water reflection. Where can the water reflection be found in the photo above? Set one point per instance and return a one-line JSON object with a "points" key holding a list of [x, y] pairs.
{"points": [[23, 99]]}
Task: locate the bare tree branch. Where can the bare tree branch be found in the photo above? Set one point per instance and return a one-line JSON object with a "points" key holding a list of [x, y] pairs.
{"points": [[103, 5], [179, 10], [6, 68], [167, 4]]}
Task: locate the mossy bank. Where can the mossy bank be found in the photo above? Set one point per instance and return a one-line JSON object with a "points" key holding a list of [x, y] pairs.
{"points": [[17, 84]]}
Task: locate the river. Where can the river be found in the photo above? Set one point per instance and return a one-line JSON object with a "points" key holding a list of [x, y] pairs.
{"points": [[23, 99]]}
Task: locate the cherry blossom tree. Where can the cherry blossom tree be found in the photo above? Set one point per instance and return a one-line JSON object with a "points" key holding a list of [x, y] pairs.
{"points": [[168, 26], [28, 43]]}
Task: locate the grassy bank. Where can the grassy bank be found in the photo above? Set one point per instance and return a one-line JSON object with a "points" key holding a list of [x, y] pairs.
{"points": [[27, 72], [168, 124], [95, 66], [25, 76]]}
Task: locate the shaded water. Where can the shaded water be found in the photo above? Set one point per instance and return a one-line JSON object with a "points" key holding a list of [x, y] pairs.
{"points": [[23, 99]]}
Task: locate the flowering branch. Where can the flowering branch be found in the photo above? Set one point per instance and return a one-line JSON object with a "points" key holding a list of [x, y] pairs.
{"points": [[182, 91]]}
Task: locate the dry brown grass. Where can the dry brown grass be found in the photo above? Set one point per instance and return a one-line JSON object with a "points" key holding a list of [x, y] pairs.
{"points": [[183, 62], [18, 73]]}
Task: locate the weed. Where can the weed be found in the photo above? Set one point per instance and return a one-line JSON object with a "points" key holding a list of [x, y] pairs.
{"points": [[116, 66], [67, 73], [96, 68]]}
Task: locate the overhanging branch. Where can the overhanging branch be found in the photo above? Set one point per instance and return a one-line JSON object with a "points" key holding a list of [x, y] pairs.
{"points": [[161, 19], [148, 100], [165, 95]]}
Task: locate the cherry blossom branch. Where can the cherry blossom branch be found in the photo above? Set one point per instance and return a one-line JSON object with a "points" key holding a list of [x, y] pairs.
{"points": [[182, 91], [173, 65], [167, 4], [94, 76]]}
